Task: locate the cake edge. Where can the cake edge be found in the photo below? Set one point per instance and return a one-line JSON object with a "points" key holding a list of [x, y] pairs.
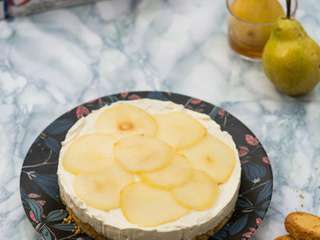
{"points": [[197, 232], [91, 232]]}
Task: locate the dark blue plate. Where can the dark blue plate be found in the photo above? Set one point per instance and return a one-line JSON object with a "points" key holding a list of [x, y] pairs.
{"points": [[40, 191]]}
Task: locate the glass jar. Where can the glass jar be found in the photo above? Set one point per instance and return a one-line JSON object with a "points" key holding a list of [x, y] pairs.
{"points": [[248, 38]]}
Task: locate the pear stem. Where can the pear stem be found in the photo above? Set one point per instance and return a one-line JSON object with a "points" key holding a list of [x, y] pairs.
{"points": [[288, 9]]}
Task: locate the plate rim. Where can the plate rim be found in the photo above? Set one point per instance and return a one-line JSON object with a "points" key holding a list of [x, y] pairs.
{"points": [[270, 171]]}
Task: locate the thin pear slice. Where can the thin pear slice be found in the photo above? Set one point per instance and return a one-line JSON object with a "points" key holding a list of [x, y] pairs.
{"points": [[102, 190], [89, 153], [179, 129], [149, 207], [142, 154], [126, 119], [212, 156], [175, 174], [199, 193]]}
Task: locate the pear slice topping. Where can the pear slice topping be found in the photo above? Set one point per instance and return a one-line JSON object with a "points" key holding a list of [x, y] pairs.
{"points": [[213, 157], [142, 154], [89, 153], [200, 193], [102, 189], [179, 129], [173, 175], [148, 207], [126, 119]]}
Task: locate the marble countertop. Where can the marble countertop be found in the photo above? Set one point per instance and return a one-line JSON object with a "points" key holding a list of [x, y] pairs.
{"points": [[53, 61]]}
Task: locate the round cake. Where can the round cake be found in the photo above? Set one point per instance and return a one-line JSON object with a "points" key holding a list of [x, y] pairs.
{"points": [[148, 169]]}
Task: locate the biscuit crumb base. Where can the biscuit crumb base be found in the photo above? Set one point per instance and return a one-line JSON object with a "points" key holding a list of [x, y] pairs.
{"points": [[87, 229]]}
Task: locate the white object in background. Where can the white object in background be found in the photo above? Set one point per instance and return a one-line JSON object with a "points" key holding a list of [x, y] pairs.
{"points": [[12, 8]]}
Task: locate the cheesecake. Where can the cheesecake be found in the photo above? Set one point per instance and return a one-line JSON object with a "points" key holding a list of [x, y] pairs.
{"points": [[148, 169]]}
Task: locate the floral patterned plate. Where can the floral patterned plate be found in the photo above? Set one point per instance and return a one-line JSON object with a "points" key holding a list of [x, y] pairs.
{"points": [[40, 191]]}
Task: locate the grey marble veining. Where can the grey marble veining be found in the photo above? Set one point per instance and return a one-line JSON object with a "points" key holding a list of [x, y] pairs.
{"points": [[50, 62], [290, 134]]}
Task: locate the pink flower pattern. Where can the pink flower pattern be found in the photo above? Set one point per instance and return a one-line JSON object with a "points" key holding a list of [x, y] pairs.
{"points": [[251, 140], [33, 217], [221, 113], [82, 112], [266, 160], [124, 94], [248, 235], [134, 97], [41, 202], [195, 101], [243, 151], [258, 221], [33, 195]]}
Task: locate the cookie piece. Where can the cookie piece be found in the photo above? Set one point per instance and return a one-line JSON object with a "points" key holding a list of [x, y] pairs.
{"points": [[302, 225], [287, 237]]}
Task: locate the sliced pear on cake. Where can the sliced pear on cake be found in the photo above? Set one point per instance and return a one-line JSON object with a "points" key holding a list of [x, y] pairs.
{"points": [[149, 207], [199, 193], [212, 156], [102, 189], [89, 153], [179, 129], [126, 119], [142, 154], [175, 174]]}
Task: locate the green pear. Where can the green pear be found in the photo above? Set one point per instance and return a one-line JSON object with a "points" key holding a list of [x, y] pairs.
{"points": [[291, 59]]}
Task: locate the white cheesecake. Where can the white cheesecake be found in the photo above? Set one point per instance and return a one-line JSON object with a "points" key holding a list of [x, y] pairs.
{"points": [[113, 224]]}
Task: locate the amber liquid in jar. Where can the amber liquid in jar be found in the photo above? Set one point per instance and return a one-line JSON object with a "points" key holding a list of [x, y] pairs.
{"points": [[249, 51], [248, 40]]}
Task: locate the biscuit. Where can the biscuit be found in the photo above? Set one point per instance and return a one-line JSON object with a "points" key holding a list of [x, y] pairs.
{"points": [[303, 226], [287, 237]]}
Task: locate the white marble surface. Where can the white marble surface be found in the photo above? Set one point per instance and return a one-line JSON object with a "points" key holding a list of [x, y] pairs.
{"points": [[53, 61]]}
